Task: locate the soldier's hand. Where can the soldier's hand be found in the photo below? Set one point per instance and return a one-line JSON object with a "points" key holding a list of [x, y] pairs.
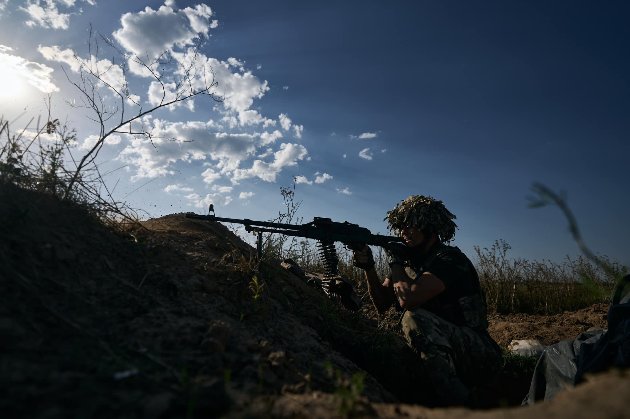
{"points": [[363, 258]]}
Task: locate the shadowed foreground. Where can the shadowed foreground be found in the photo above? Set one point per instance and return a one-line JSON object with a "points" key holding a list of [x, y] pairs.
{"points": [[175, 319]]}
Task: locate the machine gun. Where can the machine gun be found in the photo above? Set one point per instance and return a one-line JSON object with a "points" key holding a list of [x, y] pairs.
{"points": [[324, 230]]}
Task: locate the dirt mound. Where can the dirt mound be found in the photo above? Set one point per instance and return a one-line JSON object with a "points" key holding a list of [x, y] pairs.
{"points": [[175, 318], [547, 329]]}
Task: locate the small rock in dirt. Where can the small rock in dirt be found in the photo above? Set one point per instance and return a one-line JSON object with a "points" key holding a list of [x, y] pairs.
{"points": [[526, 347], [277, 358]]}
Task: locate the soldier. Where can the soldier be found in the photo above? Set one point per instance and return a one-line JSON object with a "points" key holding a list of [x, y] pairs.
{"points": [[437, 286]]}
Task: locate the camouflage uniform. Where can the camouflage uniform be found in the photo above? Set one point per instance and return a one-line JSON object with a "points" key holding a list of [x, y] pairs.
{"points": [[449, 332]]}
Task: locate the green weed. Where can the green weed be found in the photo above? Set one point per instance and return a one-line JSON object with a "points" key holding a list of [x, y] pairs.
{"points": [[348, 390]]}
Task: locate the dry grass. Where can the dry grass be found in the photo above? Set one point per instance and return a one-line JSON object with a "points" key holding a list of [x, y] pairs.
{"points": [[39, 157], [543, 287], [512, 285]]}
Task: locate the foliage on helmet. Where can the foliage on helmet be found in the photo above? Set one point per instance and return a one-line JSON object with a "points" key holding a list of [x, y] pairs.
{"points": [[424, 213]]}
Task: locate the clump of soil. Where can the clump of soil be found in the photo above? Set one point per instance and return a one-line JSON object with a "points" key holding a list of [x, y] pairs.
{"points": [[176, 318]]}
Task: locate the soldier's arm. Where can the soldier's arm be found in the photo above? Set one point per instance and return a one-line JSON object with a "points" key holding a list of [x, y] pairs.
{"points": [[381, 293], [411, 294]]}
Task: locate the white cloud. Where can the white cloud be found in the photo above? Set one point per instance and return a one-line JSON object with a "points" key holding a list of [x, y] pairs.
{"points": [[222, 189], [236, 63], [216, 199], [245, 195], [162, 93], [173, 142], [149, 33], [42, 136], [344, 191], [270, 137], [46, 16], [287, 155], [15, 69], [285, 121], [237, 90], [367, 135], [323, 177], [91, 140], [46, 13], [210, 176], [365, 154], [110, 74], [177, 188], [299, 180], [66, 56]]}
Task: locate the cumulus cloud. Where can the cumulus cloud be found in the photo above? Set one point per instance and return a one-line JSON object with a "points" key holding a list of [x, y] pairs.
{"points": [[288, 155], [209, 176], [238, 90], [110, 74], [297, 131], [47, 13], [173, 142], [245, 195], [285, 121], [15, 68], [322, 177], [287, 124], [270, 137], [367, 135], [65, 56], [217, 199], [177, 188], [365, 154], [149, 33], [302, 180], [344, 191], [91, 140], [222, 189]]}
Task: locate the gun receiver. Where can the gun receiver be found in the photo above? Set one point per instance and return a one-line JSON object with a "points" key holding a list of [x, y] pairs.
{"points": [[320, 229]]}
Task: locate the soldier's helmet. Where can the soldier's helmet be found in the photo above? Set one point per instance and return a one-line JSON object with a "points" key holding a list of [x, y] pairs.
{"points": [[425, 213]]}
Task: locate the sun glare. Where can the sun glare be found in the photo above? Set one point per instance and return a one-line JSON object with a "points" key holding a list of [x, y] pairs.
{"points": [[12, 84]]}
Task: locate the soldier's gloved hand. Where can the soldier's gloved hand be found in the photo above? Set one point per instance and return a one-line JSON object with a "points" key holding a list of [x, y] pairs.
{"points": [[395, 254], [363, 258], [394, 259]]}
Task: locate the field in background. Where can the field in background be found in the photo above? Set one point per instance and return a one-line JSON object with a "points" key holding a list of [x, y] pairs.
{"points": [[511, 285]]}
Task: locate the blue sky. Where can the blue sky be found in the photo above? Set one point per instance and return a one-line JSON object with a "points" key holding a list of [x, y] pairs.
{"points": [[363, 102]]}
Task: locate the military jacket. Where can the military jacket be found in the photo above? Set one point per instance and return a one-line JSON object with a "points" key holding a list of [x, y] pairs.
{"points": [[462, 302]]}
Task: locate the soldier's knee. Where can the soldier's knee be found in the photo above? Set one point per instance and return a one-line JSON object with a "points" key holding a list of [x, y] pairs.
{"points": [[409, 324]]}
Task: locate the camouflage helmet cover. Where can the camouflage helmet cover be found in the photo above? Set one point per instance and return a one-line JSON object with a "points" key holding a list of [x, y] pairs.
{"points": [[424, 213]]}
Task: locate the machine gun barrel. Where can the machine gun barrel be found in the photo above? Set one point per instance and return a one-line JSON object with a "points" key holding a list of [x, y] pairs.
{"points": [[321, 229]]}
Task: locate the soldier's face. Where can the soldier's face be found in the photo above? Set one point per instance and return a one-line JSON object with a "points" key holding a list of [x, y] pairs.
{"points": [[412, 236]]}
